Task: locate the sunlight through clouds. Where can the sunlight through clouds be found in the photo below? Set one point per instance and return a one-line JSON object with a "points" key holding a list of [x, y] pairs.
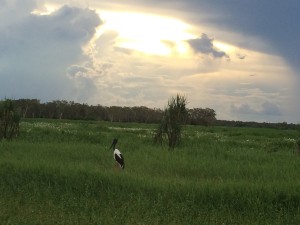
{"points": [[46, 9], [146, 33]]}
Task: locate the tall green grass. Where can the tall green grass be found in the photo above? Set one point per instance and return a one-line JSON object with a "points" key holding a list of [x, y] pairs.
{"points": [[61, 172]]}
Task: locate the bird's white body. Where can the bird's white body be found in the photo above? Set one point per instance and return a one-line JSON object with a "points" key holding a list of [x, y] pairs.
{"points": [[119, 158], [118, 153]]}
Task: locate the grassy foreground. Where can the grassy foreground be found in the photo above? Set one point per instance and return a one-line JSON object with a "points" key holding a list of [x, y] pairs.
{"points": [[61, 172]]}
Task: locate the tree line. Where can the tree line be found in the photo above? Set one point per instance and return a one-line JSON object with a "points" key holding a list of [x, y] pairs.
{"points": [[281, 125], [62, 109]]}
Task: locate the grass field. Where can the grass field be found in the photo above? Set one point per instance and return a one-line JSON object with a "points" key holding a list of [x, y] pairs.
{"points": [[61, 172]]}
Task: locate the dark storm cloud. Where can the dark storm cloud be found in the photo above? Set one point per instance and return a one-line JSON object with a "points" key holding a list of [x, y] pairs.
{"points": [[204, 45], [70, 23], [275, 21], [36, 50]]}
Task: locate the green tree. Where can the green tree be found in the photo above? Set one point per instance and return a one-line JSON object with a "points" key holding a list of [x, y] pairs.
{"points": [[9, 120], [174, 117], [199, 116]]}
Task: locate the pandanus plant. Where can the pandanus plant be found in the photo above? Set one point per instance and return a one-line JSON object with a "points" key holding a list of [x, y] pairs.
{"points": [[174, 117], [9, 120]]}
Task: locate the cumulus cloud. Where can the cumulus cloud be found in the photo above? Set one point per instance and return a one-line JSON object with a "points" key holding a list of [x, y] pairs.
{"points": [[36, 50], [72, 24], [204, 45]]}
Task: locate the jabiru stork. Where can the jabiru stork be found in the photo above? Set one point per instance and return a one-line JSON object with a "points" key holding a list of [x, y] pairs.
{"points": [[117, 154]]}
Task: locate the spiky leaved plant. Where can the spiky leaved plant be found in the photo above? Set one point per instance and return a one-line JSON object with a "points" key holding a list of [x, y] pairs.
{"points": [[174, 117], [9, 120]]}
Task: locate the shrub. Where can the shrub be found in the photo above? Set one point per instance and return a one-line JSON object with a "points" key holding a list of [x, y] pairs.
{"points": [[9, 120], [174, 117]]}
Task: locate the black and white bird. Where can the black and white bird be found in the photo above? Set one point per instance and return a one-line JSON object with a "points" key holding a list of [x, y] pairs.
{"points": [[117, 154]]}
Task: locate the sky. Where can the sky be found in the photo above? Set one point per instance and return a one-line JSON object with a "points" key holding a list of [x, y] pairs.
{"points": [[240, 58]]}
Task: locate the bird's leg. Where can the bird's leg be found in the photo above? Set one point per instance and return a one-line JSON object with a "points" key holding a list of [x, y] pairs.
{"points": [[117, 167]]}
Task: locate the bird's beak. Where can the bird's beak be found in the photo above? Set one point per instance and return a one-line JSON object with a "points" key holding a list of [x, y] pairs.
{"points": [[113, 143]]}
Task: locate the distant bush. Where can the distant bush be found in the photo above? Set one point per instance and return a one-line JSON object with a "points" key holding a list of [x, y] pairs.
{"points": [[9, 120]]}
